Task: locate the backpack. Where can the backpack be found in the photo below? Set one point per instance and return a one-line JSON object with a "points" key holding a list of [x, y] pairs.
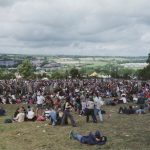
{"points": [[8, 120]]}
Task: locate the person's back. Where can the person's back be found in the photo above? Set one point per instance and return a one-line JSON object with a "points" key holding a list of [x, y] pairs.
{"points": [[20, 117], [98, 102], [40, 99], [30, 114], [90, 104]]}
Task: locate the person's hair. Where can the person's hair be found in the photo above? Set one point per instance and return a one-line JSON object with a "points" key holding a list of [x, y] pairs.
{"points": [[28, 106], [98, 134]]}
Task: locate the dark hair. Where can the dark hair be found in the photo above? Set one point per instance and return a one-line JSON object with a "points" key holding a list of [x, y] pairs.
{"points": [[98, 134]]}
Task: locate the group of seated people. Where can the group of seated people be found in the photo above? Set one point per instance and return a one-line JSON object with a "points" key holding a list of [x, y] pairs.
{"points": [[141, 109], [21, 114]]}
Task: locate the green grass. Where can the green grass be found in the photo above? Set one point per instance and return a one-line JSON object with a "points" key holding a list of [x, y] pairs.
{"points": [[124, 132]]}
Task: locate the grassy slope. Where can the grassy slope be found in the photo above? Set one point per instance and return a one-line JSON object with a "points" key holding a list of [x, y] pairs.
{"points": [[123, 132]]}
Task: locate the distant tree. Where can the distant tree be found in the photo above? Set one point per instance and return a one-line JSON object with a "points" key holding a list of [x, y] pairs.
{"points": [[57, 75], [148, 60], [1, 74], [74, 72], [26, 69], [66, 74], [5, 74], [145, 72]]}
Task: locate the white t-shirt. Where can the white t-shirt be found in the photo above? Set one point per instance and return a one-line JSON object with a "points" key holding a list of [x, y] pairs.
{"points": [[40, 99], [90, 105], [124, 99], [30, 114], [20, 117], [98, 102], [46, 113]]}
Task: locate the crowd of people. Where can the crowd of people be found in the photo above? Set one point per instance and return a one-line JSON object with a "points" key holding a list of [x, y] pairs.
{"points": [[56, 99]]}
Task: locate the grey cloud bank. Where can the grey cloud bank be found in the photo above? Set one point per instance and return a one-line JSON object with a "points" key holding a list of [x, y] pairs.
{"points": [[75, 27]]}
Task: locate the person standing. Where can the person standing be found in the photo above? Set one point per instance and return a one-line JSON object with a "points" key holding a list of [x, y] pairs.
{"points": [[98, 103], [90, 110], [67, 113], [40, 102]]}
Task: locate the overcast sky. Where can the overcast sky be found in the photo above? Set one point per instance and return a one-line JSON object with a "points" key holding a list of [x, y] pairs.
{"points": [[75, 27]]}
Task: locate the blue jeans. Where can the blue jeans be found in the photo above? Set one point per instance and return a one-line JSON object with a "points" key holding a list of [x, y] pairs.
{"points": [[52, 117], [98, 112], [78, 137], [140, 111]]}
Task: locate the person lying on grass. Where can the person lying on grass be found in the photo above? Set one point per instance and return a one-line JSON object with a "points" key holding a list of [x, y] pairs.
{"points": [[132, 110], [91, 139]]}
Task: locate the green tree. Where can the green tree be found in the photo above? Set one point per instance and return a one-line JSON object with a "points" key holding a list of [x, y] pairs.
{"points": [[145, 72], [26, 69], [148, 60], [57, 75], [6, 74], [74, 72]]}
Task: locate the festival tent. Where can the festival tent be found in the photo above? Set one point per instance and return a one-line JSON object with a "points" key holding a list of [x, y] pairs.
{"points": [[46, 79], [94, 74]]}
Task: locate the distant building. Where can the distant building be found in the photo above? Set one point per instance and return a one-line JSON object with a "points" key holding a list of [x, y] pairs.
{"points": [[134, 65], [37, 63], [7, 63], [52, 65]]}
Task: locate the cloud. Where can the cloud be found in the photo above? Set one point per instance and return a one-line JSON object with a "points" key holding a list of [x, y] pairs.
{"points": [[79, 27]]}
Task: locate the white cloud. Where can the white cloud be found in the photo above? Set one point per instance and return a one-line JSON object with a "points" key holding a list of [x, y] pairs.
{"points": [[91, 27]]}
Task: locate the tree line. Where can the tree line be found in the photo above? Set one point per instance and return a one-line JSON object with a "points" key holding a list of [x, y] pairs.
{"points": [[27, 71]]}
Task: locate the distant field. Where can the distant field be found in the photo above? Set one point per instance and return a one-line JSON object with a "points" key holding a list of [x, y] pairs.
{"points": [[124, 132], [96, 64], [85, 62]]}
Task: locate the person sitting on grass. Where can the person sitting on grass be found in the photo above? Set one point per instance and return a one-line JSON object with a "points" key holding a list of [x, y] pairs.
{"points": [[52, 117], [20, 116], [126, 110], [2, 111], [132, 110], [91, 139], [30, 116]]}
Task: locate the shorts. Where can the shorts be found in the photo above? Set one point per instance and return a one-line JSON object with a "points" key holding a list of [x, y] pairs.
{"points": [[40, 106]]}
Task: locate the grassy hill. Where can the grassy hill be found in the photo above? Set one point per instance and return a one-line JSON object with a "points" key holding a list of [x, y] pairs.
{"points": [[124, 132]]}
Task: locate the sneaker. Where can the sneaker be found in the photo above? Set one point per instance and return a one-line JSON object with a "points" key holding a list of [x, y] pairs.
{"points": [[53, 124], [71, 134]]}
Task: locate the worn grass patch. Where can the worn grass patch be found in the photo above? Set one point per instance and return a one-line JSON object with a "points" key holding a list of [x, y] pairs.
{"points": [[124, 132]]}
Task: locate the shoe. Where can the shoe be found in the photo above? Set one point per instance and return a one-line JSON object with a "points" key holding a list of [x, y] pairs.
{"points": [[71, 134], [53, 124]]}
